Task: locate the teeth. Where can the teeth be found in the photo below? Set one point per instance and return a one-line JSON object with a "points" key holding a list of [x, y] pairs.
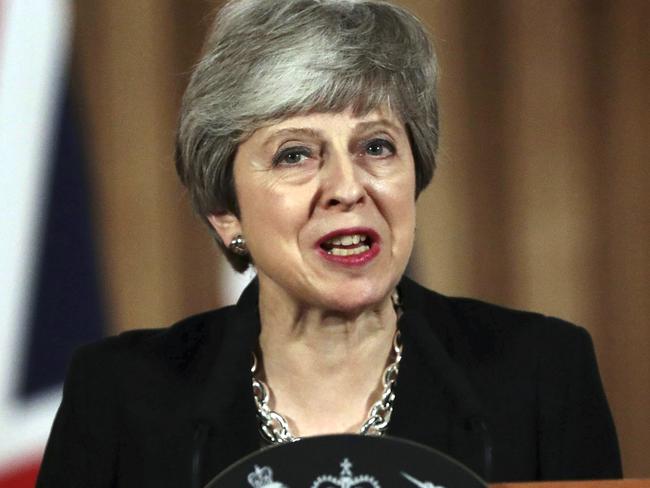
{"points": [[347, 240], [349, 252]]}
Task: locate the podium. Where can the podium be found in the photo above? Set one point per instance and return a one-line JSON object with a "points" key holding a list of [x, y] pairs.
{"points": [[354, 461], [640, 483]]}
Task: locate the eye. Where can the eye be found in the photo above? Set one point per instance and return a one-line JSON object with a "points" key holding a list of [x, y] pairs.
{"points": [[379, 148], [291, 156]]}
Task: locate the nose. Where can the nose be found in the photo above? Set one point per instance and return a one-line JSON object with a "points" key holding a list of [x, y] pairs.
{"points": [[341, 183]]}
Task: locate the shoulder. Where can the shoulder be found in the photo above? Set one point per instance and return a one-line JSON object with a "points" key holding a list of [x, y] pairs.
{"points": [[179, 349], [537, 380], [488, 330]]}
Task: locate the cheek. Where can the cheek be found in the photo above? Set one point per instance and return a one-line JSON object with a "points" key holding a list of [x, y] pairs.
{"points": [[397, 204], [273, 210], [396, 196], [403, 221]]}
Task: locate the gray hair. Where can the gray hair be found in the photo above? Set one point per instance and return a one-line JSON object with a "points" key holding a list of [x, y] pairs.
{"points": [[266, 60]]}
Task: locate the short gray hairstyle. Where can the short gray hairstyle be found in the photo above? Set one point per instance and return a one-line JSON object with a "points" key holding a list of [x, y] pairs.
{"points": [[266, 60]]}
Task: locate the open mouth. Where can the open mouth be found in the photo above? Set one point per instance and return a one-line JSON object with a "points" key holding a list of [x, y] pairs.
{"points": [[347, 245]]}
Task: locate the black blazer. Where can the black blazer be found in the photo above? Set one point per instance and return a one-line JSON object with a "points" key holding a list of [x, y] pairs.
{"points": [[514, 395]]}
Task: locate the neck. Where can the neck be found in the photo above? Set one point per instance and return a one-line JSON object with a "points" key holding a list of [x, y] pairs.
{"points": [[324, 367]]}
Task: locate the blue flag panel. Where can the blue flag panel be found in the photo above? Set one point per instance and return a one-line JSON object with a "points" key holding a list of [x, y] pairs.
{"points": [[66, 307]]}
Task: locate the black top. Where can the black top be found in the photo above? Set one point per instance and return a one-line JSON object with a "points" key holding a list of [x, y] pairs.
{"points": [[514, 395]]}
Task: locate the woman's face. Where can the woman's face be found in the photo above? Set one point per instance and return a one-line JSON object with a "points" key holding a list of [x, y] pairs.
{"points": [[327, 205]]}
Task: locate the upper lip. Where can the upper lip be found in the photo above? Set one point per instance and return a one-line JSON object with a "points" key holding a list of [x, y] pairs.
{"points": [[374, 236]]}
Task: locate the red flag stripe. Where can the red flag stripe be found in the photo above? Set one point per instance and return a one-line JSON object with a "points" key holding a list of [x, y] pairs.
{"points": [[22, 476]]}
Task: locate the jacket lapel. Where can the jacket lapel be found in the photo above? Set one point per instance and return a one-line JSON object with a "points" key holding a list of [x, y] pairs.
{"points": [[225, 417], [435, 404]]}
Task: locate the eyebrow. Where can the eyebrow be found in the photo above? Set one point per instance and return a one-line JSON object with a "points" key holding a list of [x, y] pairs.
{"points": [[291, 131], [381, 123], [314, 133]]}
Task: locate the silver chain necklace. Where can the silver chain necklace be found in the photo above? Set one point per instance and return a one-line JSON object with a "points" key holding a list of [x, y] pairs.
{"points": [[274, 428]]}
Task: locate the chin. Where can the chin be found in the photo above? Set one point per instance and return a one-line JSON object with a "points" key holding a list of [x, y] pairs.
{"points": [[354, 301]]}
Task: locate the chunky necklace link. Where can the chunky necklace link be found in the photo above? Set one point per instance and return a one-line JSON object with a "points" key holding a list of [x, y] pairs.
{"points": [[274, 428]]}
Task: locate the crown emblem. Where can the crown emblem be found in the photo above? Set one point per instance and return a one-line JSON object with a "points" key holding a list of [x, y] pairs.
{"points": [[346, 479], [263, 478]]}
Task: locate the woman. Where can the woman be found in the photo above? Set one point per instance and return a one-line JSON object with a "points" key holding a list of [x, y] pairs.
{"points": [[307, 132]]}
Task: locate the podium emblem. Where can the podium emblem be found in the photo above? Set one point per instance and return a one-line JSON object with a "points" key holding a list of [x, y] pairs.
{"points": [[346, 479], [347, 461], [263, 478], [420, 484]]}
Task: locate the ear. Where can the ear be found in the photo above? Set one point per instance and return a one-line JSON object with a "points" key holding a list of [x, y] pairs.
{"points": [[226, 225]]}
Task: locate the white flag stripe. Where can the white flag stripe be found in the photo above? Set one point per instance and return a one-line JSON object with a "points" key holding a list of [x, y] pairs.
{"points": [[33, 55], [231, 283]]}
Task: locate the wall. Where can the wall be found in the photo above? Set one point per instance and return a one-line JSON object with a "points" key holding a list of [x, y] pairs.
{"points": [[540, 201]]}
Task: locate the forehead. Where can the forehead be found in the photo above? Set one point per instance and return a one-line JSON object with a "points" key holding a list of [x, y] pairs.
{"points": [[346, 120]]}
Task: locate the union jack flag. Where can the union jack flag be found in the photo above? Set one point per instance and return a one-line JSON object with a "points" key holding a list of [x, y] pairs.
{"points": [[50, 298]]}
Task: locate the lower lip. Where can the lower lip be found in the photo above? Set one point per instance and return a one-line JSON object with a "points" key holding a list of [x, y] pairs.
{"points": [[355, 259]]}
